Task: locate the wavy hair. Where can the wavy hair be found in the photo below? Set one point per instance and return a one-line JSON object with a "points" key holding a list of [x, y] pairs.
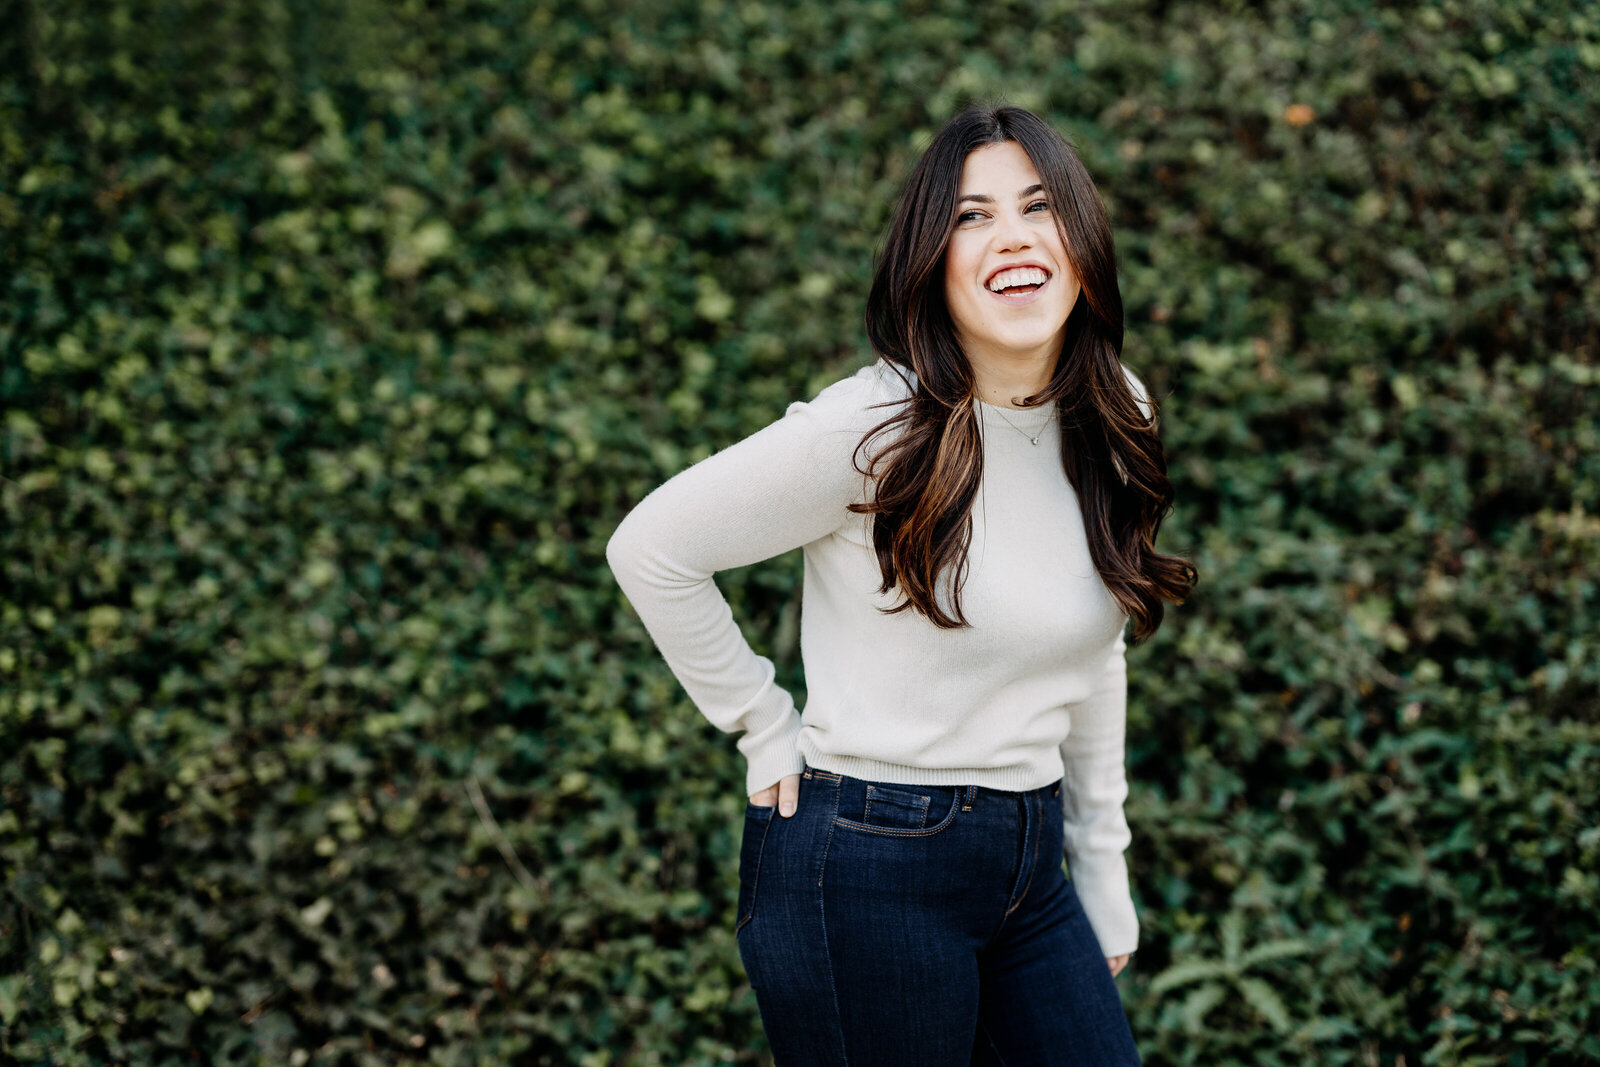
{"points": [[928, 475]]}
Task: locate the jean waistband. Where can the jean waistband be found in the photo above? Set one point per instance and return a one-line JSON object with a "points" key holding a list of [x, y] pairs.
{"points": [[971, 792]]}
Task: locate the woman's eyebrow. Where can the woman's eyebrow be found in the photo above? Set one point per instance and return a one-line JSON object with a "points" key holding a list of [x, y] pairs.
{"points": [[983, 198]]}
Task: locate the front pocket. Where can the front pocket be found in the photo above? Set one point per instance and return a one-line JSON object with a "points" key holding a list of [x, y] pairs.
{"points": [[757, 821], [897, 809], [904, 811]]}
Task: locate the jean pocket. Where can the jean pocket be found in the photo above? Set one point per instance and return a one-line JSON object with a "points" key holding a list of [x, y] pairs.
{"points": [[904, 811], [757, 821]]}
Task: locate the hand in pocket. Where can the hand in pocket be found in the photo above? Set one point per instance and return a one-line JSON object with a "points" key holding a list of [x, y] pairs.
{"points": [[785, 793]]}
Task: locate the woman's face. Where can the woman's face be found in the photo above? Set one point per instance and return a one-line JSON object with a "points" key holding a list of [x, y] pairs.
{"points": [[1007, 282]]}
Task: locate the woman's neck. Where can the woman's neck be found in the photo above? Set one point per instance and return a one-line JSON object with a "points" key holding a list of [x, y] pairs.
{"points": [[1003, 380]]}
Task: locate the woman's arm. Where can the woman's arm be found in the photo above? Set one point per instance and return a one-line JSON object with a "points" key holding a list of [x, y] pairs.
{"points": [[1095, 786], [1093, 789], [784, 486]]}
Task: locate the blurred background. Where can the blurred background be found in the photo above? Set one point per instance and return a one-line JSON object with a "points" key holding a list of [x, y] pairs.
{"points": [[337, 337]]}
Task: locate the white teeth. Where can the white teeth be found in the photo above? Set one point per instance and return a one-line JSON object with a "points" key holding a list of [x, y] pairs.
{"points": [[1018, 276]]}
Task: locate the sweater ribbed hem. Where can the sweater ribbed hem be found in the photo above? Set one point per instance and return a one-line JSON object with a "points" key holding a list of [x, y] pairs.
{"points": [[1017, 779]]}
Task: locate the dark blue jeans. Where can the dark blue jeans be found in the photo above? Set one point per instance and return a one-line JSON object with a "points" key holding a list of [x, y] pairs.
{"points": [[888, 925]]}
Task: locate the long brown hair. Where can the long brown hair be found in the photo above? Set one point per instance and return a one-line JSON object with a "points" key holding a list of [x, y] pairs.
{"points": [[928, 475]]}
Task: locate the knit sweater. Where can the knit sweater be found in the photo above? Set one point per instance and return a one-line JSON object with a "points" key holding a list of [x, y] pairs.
{"points": [[1034, 690]]}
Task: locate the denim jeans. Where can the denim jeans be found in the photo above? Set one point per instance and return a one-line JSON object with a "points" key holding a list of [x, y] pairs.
{"points": [[887, 925]]}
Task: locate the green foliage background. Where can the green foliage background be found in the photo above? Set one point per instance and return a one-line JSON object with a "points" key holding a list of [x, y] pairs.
{"points": [[336, 339]]}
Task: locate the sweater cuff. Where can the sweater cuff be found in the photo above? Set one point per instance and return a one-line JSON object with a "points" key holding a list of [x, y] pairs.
{"points": [[1101, 882], [771, 750]]}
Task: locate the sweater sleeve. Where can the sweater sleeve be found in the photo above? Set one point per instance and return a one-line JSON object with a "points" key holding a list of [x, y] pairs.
{"points": [[782, 487], [1141, 395], [1094, 788]]}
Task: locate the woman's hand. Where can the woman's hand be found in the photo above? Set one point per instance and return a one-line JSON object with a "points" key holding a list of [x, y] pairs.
{"points": [[785, 793], [1117, 963]]}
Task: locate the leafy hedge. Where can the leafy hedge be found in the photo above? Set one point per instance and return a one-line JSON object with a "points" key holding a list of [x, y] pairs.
{"points": [[337, 337]]}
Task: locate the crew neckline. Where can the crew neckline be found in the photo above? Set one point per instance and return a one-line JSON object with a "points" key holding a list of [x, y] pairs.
{"points": [[1020, 416]]}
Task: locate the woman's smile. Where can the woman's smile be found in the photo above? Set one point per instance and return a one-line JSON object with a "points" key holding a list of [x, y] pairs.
{"points": [[1018, 286]]}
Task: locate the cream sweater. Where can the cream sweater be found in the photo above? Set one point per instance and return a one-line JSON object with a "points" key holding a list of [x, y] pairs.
{"points": [[1033, 691]]}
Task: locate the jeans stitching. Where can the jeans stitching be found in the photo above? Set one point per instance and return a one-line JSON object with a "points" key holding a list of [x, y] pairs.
{"points": [[866, 811], [1001, 1060], [889, 831], [755, 877], [1029, 830], [822, 914]]}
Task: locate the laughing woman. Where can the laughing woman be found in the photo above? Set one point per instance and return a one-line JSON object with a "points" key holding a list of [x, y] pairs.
{"points": [[978, 510]]}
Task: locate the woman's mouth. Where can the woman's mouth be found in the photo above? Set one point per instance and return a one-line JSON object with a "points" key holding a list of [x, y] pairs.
{"points": [[1018, 286]]}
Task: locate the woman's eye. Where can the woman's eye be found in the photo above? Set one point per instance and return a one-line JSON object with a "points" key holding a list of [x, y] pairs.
{"points": [[967, 216], [1039, 204]]}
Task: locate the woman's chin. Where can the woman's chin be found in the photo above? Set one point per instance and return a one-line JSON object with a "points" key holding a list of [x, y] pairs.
{"points": [[1032, 344]]}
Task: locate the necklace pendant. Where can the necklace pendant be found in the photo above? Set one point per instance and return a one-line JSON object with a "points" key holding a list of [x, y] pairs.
{"points": [[1035, 440]]}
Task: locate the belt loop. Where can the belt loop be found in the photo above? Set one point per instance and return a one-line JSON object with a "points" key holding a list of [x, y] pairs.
{"points": [[971, 790]]}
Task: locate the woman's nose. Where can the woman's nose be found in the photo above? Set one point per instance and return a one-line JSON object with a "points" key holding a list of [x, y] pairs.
{"points": [[1011, 235]]}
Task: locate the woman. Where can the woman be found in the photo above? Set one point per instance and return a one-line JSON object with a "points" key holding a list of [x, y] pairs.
{"points": [[978, 511]]}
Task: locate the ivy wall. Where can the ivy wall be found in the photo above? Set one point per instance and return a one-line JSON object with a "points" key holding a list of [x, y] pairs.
{"points": [[335, 339]]}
